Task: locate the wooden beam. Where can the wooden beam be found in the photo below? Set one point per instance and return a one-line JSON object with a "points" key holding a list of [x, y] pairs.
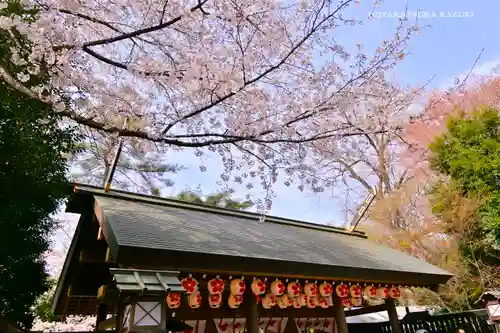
{"points": [[252, 316], [102, 310], [245, 266], [120, 308], [109, 257], [393, 316], [91, 256], [100, 235], [339, 313]]}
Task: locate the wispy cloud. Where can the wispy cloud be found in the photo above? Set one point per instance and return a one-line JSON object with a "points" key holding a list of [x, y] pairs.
{"points": [[483, 68]]}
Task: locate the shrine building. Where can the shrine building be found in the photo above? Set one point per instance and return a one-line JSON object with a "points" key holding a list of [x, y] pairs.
{"points": [[161, 265]]}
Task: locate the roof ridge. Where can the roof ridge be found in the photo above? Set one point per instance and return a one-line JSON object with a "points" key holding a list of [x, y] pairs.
{"points": [[148, 199]]}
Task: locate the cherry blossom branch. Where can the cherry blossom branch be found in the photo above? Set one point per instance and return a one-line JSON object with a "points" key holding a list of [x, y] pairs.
{"points": [[263, 74], [98, 56], [91, 19], [249, 152], [163, 11], [139, 32], [98, 21], [123, 36], [172, 140], [224, 138], [319, 109]]}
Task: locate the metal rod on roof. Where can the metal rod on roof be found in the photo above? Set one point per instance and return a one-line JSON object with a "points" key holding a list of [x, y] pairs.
{"points": [[140, 282], [109, 179], [163, 284], [363, 208]]}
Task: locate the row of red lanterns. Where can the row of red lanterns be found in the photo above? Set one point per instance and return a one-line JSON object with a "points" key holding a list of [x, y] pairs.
{"points": [[291, 294]]}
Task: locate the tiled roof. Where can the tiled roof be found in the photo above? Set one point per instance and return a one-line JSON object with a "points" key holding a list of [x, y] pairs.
{"points": [[149, 222]]}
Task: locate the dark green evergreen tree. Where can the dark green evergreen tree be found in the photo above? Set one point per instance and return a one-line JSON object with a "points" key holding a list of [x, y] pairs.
{"points": [[33, 170]]}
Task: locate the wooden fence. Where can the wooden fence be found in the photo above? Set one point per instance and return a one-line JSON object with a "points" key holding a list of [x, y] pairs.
{"points": [[470, 322]]}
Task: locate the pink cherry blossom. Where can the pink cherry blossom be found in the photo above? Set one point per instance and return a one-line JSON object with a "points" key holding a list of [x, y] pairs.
{"points": [[255, 82], [71, 324]]}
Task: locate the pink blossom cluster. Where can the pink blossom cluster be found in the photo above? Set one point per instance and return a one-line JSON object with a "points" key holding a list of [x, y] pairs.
{"points": [[255, 82], [71, 324]]}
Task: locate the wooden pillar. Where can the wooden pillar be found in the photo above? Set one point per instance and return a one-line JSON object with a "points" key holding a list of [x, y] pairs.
{"points": [[340, 319], [252, 317], [119, 314], [393, 317], [102, 312]]}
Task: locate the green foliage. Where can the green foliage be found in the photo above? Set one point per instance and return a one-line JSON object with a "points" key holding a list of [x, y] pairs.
{"points": [[43, 305], [469, 205], [222, 200], [469, 152], [33, 177]]}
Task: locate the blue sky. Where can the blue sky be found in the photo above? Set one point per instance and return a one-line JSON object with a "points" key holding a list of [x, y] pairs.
{"points": [[447, 49], [450, 45]]}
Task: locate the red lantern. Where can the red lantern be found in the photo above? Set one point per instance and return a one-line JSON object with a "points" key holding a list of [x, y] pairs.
{"points": [[194, 300], [215, 286], [234, 301], [237, 287], [189, 284], [174, 300], [258, 287], [311, 302], [394, 292], [303, 299], [346, 302], [272, 299], [342, 290], [355, 290], [383, 292], [297, 303], [371, 291], [323, 302], [293, 289], [325, 289], [311, 290], [268, 301], [283, 301], [277, 288], [215, 300]]}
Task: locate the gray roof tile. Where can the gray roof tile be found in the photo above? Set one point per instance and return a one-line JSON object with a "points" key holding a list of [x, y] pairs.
{"points": [[160, 226]]}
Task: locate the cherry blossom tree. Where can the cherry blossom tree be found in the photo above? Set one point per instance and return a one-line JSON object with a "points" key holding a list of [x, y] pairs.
{"points": [[479, 90], [441, 233], [395, 162], [242, 80], [360, 164]]}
